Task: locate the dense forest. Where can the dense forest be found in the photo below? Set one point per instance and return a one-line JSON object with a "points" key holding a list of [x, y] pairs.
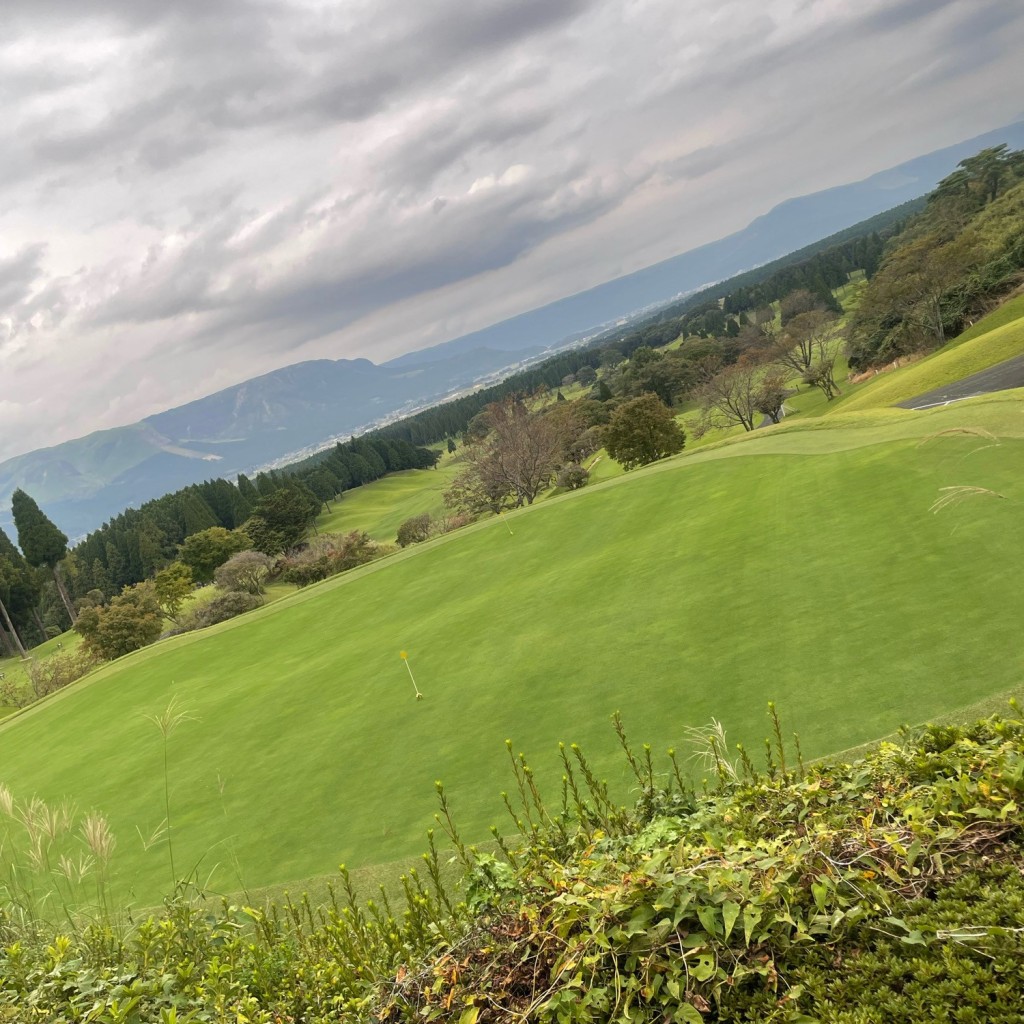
{"points": [[958, 256]]}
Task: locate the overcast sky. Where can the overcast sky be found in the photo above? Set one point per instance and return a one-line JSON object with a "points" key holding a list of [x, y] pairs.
{"points": [[193, 192]]}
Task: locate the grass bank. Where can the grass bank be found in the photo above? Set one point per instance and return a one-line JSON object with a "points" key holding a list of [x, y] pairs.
{"points": [[813, 574]]}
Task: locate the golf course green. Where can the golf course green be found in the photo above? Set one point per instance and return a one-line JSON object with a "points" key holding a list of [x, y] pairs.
{"points": [[802, 565]]}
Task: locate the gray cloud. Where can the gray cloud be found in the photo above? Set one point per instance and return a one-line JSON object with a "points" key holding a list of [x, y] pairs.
{"points": [[419, 156], [229, 67], [446, 242], [17, 274], [901, 14]]}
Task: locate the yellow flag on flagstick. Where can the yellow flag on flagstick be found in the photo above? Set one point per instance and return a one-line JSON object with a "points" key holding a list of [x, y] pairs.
{"points": [[404, 655]]}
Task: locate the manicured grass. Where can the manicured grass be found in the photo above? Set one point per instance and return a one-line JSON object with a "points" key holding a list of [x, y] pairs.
{"points": [[14, 668], [813, 575], [603, 467], [957, 360], [381, 507], [1012, 309]]}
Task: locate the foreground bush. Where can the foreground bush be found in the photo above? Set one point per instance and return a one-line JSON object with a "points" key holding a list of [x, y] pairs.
{"points": [[889, 889], [47, 676]]}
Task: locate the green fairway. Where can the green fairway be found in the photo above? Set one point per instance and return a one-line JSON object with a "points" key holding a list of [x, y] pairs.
{"points": [[812, 574], [381, 507], [1012, 309]]}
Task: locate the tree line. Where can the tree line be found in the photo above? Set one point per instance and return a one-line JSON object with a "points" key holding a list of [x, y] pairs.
{"points": [[951, 263], [715, 313], [41, 583]]}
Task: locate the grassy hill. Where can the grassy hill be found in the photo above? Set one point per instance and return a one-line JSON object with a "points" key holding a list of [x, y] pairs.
{"points": [[997, 337], [381, 507], [813, 574]]}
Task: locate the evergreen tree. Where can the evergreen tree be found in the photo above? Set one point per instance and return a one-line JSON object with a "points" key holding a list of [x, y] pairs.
{"points": [[42, 544], [10, 559], [280, 520], [9, 551], [247, 489], [40, 541]]}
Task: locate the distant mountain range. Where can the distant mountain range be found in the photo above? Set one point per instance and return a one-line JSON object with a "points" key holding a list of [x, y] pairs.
{"points": [[81, 483]]}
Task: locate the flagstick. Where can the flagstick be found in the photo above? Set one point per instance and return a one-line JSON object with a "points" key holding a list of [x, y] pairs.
{"points": [[405, 658], [505, 521]]}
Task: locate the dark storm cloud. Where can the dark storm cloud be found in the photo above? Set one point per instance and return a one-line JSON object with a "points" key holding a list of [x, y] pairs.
{"points": [[228, 67]]}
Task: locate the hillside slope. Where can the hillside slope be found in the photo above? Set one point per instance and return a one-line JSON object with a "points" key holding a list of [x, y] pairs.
{"points": [[996, 338], [813, 574]]}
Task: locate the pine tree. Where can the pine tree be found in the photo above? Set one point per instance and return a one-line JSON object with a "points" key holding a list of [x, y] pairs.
{"points": [[10, 560], [40, 541]]}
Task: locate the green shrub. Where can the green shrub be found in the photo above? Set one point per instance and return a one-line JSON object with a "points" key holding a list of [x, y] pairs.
{"points": [[572, 477], [132, 620], [414, 530], [884, 890], [246, 571], [222, 608], [59, 670], [330, 554]]}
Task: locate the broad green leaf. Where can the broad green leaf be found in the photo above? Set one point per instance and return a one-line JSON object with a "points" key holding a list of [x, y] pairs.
{"points": [[709, 918], [687, 1014], [704, 968], [820, 892], [751, 916], [730, 911], [640, 919]]}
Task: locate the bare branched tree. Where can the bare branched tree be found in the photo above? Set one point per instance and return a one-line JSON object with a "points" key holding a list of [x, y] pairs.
{"points": [[809, 345], [730, 395], [513, 461]]}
